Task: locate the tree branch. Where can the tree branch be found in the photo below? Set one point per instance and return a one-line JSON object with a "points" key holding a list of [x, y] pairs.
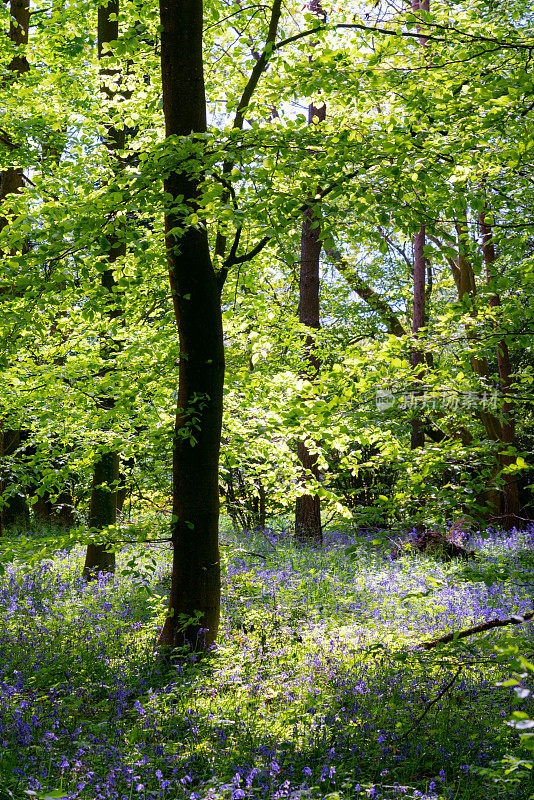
{"points": [[515, 619], [258, 69], [252, 253], [402, 34], [372, 298], [259, 66]]}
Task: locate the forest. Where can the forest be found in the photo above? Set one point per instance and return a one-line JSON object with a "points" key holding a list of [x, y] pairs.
{"points": [[266, 400]]}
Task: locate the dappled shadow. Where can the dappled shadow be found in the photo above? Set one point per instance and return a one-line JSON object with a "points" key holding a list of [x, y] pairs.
{"points": [[301, 698]]}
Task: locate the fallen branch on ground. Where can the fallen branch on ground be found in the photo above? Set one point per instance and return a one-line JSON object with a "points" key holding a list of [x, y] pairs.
{"points": [[515, 619]]}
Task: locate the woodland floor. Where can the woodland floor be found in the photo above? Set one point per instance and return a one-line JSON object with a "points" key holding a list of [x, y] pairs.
{"points": [[313, 691]]}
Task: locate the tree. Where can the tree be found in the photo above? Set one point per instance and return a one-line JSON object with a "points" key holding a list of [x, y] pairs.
{"points": [[15, 506], [308, 506], [419, 279], [395, 167], [103, 503], [195, 288], [418, 322], [511, 510]]}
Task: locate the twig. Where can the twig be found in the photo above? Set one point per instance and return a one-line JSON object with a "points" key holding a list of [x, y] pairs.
{"points": [[432, 703], [515, 619], [396, 544], [247, 552]]}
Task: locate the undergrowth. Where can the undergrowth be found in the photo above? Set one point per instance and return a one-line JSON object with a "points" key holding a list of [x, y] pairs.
{"points": [[315, 688]]}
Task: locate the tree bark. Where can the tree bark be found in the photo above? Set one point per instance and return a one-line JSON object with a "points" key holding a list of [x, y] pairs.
{"points": [[103, 503], [194, 603], [125, 487], [16, 508], [466, 286], [511, 510], [417, 438], [102, 512], [464, 278], [308, 506], [12, 178], [421, 5]]}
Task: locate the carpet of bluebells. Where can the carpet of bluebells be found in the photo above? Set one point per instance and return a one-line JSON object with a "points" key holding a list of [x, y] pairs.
{"points": [[314, 690]]}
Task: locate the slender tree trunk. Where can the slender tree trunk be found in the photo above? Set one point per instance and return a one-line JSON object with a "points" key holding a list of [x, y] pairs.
{"points": [[466, 285], [417, 438], [419, 315], [511, 507], [421, 5], [194, 603], [464, 278], [1, 480], [103, 503], [308, 506]]}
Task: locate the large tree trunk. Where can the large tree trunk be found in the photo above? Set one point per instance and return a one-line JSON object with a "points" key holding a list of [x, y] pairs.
{"points": [[510, 507], [194, 603], [16, 508], [103, 503], [12, 178]]}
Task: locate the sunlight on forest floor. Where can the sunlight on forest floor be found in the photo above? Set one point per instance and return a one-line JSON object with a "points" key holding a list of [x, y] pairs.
{"points": [[314, 690]]}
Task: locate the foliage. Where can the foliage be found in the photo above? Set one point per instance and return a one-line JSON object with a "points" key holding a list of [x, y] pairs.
{"points": [[314, 688], [397, 131]]}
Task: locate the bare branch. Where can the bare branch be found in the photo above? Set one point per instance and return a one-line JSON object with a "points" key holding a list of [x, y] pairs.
{"points": [[433, 703], [515, 619]]}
